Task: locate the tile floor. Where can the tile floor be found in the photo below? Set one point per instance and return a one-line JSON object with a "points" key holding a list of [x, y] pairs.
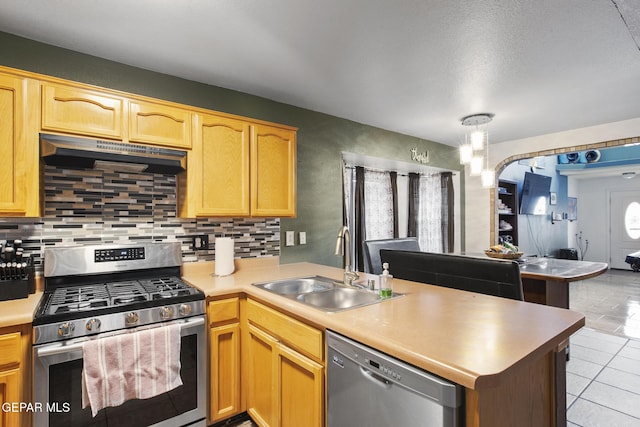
{"points": [[610, 302], [603, 375], [603, 380]]}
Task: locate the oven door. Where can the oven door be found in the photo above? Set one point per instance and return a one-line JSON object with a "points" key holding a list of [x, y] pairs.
{"points": [[58, 387]]}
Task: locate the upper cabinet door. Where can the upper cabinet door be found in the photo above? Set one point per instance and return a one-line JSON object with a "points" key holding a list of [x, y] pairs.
{"points": [[159, 124], [273, 171], [220, 158], [81, 111], [19, 174]]}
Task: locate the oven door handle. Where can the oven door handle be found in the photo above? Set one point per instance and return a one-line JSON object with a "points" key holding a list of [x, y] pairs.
{"points": [[47, 351]]}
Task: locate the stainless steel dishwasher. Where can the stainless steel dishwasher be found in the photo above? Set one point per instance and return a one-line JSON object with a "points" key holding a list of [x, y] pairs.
{"points": [[369, 388]]}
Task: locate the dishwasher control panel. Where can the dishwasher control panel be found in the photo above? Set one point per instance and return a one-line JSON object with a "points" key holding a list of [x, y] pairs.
{"points": [[368, 361], [386, 370]]}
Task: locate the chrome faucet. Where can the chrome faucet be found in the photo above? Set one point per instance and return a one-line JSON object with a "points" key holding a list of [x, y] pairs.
{"points": [[343, 249]]}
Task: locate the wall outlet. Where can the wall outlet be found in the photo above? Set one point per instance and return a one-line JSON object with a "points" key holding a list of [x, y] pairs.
{"points": [[303, 237], [289, 238], [200, 242]]}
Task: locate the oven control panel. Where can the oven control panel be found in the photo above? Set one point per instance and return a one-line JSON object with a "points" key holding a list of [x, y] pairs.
{"points": [[122, 254]]}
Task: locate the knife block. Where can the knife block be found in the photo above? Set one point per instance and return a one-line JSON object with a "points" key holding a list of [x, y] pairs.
{"points": [[11, 289]]}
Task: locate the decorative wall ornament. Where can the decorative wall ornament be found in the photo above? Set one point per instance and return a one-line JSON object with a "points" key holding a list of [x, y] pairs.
{"points": [[419, 157]]}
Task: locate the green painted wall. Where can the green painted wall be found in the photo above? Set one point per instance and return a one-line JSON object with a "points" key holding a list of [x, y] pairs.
{"points": [[321, 138]]}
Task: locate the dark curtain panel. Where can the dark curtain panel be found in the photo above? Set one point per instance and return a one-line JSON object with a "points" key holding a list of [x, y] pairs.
{"points": [[345, 208], [358, 234], [448, 236], [414, 196], [394, 195]]}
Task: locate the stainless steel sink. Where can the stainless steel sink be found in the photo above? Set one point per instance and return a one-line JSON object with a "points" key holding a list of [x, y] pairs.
{"points": [[322, 293], [339, 299], [298, 286]]}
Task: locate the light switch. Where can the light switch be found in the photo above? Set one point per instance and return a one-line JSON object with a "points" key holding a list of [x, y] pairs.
{"points": [[289, 239], [303, 237]]}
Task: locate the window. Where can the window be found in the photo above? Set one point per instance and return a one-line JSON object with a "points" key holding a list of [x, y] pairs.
{"points": [[632, 220], [422, 209]]}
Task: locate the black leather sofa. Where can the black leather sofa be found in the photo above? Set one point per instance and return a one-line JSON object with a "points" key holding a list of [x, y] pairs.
{"points": [[486, 276]]}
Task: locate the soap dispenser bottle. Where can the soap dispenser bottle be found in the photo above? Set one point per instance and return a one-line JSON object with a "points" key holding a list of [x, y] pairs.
{"points": [[386, 282]]}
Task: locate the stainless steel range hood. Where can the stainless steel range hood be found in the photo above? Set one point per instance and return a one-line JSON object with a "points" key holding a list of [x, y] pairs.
{"points": [[72, 152]]}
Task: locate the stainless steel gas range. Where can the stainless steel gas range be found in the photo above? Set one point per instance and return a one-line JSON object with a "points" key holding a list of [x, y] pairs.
{"points": [[96, 292]]}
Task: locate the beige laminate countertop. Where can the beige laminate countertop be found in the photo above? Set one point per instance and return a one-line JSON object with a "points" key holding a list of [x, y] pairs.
{"points": [[472, 339], [19, 311]]}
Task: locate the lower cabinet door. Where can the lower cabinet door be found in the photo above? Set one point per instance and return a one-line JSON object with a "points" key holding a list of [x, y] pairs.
{"points": [[261, 390], [300, 391], [9, 394], [285, 388], [225, 371]]}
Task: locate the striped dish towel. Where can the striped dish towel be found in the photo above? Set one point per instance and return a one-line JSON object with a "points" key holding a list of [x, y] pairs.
{"points": [[136, 365]]}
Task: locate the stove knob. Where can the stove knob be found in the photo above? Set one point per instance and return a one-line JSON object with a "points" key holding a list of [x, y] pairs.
{"points": [[166, 313], [185, 309], [131, 318], [66, 329], [93, 325]]}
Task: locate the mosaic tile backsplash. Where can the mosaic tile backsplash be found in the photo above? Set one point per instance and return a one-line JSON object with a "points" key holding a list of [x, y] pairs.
{"points": [[92, 206]]}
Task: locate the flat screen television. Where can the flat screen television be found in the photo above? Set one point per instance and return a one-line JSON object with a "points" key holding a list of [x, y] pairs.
{"points": [[535, 194]]}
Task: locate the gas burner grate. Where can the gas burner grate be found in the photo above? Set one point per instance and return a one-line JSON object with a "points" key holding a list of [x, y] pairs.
{"points": [[162, 283], [69, 308], [166, 287], [69, 300], [127, 292], [170, 293], [80, 298]]}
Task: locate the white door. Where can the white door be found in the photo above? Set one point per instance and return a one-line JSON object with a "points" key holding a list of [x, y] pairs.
{"points": [[624, 223]]}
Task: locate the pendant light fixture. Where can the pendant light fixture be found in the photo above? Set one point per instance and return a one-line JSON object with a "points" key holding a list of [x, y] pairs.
{"points": [[475, 149]]}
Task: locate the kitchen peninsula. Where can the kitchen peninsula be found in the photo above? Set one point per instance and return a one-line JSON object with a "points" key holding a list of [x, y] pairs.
{"points": [[507, 354]]}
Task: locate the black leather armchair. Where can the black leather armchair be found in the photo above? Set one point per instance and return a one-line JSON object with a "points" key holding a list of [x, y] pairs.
{"points": [[486, 276], [371, 251]]}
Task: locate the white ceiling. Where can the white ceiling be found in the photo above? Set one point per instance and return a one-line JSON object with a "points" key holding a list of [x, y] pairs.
{"points": [[411, 66]]}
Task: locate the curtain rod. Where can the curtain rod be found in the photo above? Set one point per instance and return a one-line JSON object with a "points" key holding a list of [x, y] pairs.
{"points": [[399, 173]]}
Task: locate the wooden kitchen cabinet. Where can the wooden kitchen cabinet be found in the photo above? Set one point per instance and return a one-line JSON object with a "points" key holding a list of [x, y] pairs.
{"points": [[81, 111], [273, 171], [224, 365], [15, 377], [218, 169], [159, 124], [90, 112], [285, 378], [19, 176], [238, 168]]}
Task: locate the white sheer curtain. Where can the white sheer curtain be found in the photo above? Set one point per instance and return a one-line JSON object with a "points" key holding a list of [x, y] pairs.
{"points": [[378, 205], [430, 213]]}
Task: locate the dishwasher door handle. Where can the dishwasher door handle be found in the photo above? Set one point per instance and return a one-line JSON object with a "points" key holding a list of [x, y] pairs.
{"points": [[375, 378]]}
